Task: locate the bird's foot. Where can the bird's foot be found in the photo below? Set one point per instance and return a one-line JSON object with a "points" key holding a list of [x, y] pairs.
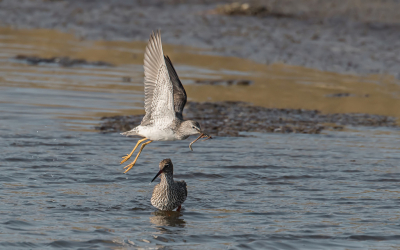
{"points": [[128, 167], [179, 209], [125, 158]]}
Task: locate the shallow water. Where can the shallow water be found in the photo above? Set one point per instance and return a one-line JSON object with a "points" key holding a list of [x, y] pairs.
{"points": [[63, 187]]}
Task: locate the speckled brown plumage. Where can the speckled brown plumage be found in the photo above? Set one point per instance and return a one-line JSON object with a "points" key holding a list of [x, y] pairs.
{"points": [[168, 194]]}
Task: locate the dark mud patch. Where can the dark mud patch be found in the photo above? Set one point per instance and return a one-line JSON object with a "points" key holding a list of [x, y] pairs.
{"points": [[240, 9], [246, 9], [341, 95], [230, 82], [64, 61], [230, 118]]}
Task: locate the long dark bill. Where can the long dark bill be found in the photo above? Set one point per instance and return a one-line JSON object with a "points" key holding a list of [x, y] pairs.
{"points": [[159, 172]]}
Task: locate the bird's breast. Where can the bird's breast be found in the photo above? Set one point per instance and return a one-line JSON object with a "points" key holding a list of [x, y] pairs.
{"points": [[156, 134]]}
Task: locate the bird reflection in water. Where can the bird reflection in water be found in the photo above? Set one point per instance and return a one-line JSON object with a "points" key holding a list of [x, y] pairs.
{"points": [[167, 218]]}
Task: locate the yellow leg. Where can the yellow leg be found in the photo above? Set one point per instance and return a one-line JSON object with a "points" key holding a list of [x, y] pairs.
{"points": [[125, 158], [128, 167]]}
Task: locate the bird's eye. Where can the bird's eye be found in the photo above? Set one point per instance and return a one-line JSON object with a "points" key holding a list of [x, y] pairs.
{"points": [[193, 127]]}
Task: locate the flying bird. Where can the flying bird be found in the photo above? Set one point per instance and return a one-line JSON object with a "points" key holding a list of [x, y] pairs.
{"points": [[164, 101]]}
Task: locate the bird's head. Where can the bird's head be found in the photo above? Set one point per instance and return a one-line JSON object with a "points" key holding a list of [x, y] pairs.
{"points": [[166, 167], [190, 128]]}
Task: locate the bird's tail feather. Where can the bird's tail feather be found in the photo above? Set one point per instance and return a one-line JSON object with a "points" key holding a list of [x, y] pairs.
{"points": [[129, 133]]}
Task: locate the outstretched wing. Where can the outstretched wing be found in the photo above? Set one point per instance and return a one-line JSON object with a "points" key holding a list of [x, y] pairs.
{"points": [[180, 97], [158, 88]]}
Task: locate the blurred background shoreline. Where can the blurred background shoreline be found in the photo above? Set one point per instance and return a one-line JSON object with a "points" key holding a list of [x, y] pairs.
{"points": [[348, 36]]}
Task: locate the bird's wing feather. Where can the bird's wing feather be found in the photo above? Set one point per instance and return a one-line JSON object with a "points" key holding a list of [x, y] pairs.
{"points": [[158, 88], [180, 96], [183, 185]]}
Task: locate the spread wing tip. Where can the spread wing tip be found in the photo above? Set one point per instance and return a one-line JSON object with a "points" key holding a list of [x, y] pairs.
{"points": [[159, 99], [155, 35]]}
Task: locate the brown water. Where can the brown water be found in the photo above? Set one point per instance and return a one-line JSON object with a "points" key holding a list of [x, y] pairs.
{"points": [[62, 185]]}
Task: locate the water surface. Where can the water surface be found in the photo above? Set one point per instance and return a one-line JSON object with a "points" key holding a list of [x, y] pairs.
{"points": [[63, 187]]}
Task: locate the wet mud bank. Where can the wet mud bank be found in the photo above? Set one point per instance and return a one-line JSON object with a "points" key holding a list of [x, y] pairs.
{"points": [[64, 61], [231, 118], [358, 37]]}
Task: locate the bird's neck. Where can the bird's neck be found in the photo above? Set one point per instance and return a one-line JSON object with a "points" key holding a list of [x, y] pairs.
{"points": [[181, 132], [166, 179]]}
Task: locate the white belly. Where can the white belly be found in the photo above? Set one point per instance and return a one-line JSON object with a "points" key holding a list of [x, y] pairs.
{"points": [[155, 134]]}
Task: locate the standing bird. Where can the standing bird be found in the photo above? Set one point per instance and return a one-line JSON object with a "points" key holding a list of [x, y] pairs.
{"points": [[168, 194], [164, 101]]}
